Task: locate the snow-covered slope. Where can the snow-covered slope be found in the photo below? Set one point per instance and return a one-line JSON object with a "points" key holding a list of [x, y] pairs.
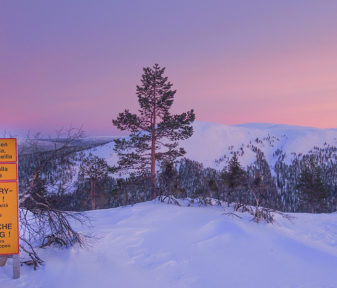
{"points": [[158, 245], [211, 141]]}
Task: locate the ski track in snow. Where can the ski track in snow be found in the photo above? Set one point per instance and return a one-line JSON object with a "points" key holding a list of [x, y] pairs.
{"points": [[159, 245]]}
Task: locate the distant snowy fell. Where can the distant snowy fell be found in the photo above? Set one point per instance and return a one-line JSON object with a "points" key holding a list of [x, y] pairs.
{"points": [[212, 141]]}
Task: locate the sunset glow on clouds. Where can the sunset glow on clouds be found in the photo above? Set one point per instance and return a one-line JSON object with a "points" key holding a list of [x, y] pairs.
{"points": [[78, 62]]}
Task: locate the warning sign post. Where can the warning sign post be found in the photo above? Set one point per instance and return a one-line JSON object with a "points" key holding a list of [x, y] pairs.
{"points": [[9, 227], [8, 218]]}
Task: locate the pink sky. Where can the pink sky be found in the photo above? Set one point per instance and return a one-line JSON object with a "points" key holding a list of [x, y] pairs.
{"points": [[233, 62]]}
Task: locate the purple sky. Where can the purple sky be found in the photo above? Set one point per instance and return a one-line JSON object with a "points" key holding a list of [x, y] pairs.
{"points": [[73, 63]]}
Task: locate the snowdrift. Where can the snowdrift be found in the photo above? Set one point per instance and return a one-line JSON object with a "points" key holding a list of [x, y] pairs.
{"points": [[158, 245]]}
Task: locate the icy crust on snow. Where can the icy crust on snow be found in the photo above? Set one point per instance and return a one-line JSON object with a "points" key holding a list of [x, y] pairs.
{"points": [[159, 245]]}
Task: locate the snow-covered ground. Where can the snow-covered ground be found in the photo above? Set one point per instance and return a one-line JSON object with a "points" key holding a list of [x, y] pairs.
{"points": [[158, 245]]}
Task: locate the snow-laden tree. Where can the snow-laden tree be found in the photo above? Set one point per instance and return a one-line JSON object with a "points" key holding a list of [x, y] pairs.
{"points": [[155, 132]]}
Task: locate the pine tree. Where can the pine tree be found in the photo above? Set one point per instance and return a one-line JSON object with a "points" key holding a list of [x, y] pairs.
{"points": [[154, 131], [168, 179], [95, 169], [262, 184], [236, 175], [311, 186], [236, 179]]}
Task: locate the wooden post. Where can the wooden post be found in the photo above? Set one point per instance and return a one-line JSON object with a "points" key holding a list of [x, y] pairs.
{"points": [[3, 260], [16, 266]]}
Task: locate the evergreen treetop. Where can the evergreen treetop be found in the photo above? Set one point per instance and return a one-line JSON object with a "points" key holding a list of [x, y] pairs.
{"points": [[154, 131]]}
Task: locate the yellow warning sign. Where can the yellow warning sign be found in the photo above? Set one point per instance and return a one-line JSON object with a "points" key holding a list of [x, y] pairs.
{"points": [[9, 239], [8, 171], [9, 228], [8, 150]]}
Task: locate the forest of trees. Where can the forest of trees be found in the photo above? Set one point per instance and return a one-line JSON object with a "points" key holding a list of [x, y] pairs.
{"points": [[308, 183]]}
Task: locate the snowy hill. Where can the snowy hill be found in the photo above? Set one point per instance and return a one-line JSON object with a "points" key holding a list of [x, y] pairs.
{"points": [[211, 142], [158, 245]]}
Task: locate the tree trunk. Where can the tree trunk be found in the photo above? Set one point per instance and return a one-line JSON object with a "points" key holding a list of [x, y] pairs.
{"points": [[125, 198], [153, 148], [93, 192], [153, 172]]}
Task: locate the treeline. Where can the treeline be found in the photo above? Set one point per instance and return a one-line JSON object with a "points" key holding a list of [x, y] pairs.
{"points": [[308, 182], [304, 183]]}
